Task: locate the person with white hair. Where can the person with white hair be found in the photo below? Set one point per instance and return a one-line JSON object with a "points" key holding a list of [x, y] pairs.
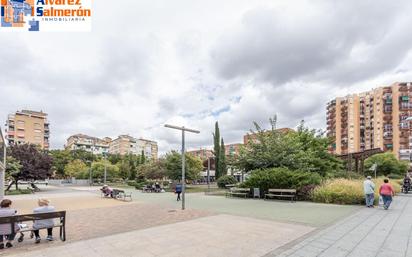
{"points": [[44, 207], [369, 190]]}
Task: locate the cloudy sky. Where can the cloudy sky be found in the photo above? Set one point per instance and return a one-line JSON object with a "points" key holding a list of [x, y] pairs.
{"points": [[192, 62]]}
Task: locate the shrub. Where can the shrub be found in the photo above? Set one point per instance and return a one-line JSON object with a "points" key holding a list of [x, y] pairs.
{"points": [[225, 180], [281, 178], [346, 191], [395, 176]]}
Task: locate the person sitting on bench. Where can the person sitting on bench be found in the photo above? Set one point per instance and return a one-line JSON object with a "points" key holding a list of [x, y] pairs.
{"points": [[107, 191], [47, 223], [5, 229]]}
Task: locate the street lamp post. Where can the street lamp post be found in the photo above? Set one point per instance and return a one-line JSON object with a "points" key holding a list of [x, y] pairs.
{"points": [[208, 174], [105, 168], [183, 129], [2, 164], [90, 172]]}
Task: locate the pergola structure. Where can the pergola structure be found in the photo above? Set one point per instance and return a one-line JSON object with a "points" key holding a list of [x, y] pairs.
{"points": [[359, 158]]}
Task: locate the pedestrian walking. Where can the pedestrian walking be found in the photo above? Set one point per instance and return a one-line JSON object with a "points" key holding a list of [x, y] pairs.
{"points": [[369, 190], [178, 190], [387, 192]]}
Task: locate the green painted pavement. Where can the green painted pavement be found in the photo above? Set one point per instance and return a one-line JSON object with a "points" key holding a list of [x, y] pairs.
{"points": [[308, 213]]}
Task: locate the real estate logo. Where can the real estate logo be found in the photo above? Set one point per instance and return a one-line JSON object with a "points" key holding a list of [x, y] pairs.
{"points": [[46, 15]]}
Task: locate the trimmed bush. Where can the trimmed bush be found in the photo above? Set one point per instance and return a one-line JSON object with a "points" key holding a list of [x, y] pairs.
{"points": [[226, 180], [346, 191], [281, 178]]}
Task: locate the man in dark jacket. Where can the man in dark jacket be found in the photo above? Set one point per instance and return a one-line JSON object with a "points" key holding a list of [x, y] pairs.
{"points": [[178, 190]]}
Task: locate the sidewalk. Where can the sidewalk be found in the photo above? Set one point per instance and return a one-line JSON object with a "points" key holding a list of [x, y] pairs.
{"points": [[369, 232], [214, 236]]}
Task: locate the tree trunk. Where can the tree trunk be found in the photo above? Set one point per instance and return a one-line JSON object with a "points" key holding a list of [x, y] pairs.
{"points": [[9, 186], [17, 184]]}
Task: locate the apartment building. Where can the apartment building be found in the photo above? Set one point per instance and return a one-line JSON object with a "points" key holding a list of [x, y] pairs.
{"points": [[233, 149], [202, 153], [29, 127], [91, 144], [125, 144], [373, 119]]}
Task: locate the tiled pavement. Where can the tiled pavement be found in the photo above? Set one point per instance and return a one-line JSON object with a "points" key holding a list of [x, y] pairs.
{"points": [[369, 232], [100, 220], [219, 236]]}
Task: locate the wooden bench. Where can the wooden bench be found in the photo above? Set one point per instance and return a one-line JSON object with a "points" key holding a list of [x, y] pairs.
{"points": [[281, 193], [230, 186], [236, 191], [61, 215]]}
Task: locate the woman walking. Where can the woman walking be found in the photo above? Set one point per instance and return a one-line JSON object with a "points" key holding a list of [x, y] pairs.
{"points": [[387, 192]]}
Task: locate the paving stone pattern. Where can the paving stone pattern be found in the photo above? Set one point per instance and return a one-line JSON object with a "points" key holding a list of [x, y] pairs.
{"points": [[100, 222], [212, 236], [369, 232]]}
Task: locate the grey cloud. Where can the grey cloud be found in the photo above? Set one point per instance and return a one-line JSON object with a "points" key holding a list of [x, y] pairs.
{"points": [[315, 42]]}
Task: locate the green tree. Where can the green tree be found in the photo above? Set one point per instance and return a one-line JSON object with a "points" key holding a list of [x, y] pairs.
{"points": [[99, 166], [13, 167], [222, 159], [387, 164], [83, 155], [114, 158], [173, 164], [152, 170], [303, 150], [216, 149], [60, 159], [124, 169], [142, 158], [75, 168]]}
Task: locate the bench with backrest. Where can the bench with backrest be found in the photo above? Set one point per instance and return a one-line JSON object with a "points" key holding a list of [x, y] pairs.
{"points": [[122, 195], [17, 219], [281, 193], [237, 191]]}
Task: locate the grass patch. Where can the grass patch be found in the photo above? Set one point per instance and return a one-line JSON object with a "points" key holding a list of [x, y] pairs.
{"points": [[18, 192], [346, 191]]}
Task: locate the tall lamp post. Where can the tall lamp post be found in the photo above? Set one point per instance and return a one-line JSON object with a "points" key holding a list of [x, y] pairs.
{"points": [[183, 129], [2, 164]]}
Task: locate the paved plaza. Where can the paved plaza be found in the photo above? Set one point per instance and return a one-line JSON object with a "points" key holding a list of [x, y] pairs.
{"points": [[369, 232], [153, 225]]}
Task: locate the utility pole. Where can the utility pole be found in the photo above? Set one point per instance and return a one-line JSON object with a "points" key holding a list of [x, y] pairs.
{"points": [[183, 129]]}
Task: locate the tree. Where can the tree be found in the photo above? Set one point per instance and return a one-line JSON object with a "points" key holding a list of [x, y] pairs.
{"points": [[98, 168], [152, 170], [124, 169], [76, 168], [222, 159], [83, 155], [216, 149], [114, 158], [13, 167], [173, 164], [60, 159], [36, 164], [386, 164], [303, 150], [142, 158]]}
